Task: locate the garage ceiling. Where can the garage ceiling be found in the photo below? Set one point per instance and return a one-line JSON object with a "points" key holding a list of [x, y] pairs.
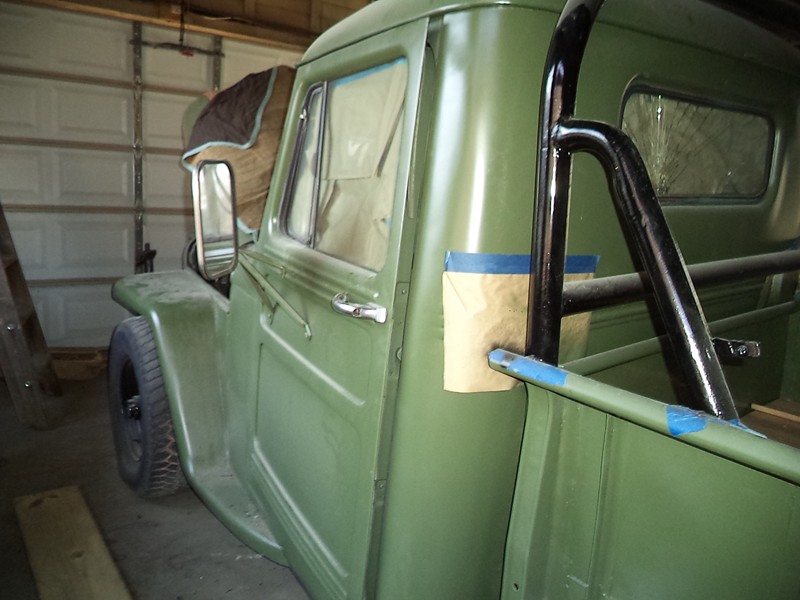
{"points": [[291, 24]]}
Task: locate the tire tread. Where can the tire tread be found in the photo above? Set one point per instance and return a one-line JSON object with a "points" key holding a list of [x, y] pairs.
{"points": [[158, 472]]}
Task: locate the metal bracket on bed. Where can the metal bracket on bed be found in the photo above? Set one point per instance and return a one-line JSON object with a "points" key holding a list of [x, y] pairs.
{"points": [[735, 350]]}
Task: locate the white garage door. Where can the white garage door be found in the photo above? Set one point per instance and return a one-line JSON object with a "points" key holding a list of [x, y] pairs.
{"points": [[67, 167]]}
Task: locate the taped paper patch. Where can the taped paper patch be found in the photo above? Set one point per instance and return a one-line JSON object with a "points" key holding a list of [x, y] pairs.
{"points": [[485, 299]]}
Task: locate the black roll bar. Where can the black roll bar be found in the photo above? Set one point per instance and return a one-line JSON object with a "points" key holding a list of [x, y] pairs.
{"points": [[548, 254], [640, 213], [591, 294]]}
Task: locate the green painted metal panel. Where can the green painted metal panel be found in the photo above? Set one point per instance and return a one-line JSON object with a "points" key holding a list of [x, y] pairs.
{"points": [[324, 402], [606, 508], [614, 500], [687, 25], [454, 456]]}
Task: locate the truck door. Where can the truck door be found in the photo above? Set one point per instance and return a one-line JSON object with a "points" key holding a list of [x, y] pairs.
{"points": [[334, 260]]}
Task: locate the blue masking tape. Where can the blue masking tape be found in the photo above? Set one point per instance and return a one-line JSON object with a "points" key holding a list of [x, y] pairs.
{"points": [[510, 264], [739, 425], [531, 369], [368, 72], [581, 263], [491, 264], [682, 420]]}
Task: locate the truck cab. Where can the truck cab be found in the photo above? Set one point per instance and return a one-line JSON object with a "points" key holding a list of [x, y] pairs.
{"points": [[520, 319]]}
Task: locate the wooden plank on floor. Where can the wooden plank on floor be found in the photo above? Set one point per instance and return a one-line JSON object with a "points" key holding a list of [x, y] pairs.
{"points": [[780, 408], [775, 428], [67, 554]]}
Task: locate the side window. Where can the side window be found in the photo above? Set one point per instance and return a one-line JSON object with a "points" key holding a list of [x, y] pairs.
{"points": [[693, 149], [339, 198]]}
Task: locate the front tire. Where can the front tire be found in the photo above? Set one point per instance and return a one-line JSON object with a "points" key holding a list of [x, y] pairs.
{"points": [[144, 437]]}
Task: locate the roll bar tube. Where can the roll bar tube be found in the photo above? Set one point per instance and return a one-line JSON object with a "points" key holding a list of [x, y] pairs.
{"points": [[640, 213], [591, 294], [548, 253]]}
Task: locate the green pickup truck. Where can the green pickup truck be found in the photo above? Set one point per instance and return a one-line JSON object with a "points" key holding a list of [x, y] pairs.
{"points": [[520, 318]]}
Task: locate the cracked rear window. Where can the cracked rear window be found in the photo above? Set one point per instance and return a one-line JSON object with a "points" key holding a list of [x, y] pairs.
{"points": [[696, 150]]}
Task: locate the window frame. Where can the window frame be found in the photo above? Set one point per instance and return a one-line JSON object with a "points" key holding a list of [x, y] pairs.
{"points": [[299, 146], [324, 87]]}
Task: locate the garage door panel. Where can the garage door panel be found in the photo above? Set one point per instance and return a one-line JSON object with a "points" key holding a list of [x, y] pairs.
{"points": [[169, 68], [77, 316], [242, 59], [95, 245], [168, 234], [92, 47], [76, 44], [91, 113], [29, 233], [37, 108], [64, 246], [163, 114], [172, 69], [25, 175], [22, 106], [19, 33], [34, 175], [102, 179], [167, 184], [50, 310]]}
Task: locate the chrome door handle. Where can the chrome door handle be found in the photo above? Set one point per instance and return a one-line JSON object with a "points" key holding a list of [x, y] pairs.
{"points": [[373, 312]]}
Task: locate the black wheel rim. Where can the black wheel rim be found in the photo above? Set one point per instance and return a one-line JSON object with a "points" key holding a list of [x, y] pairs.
{"points": [[130, 414]]}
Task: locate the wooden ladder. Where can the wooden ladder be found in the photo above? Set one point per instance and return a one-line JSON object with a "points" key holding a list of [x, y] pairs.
{"points": [[24, 357]]}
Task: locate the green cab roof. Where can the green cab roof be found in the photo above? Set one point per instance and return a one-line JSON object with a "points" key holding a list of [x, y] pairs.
{"points": [[691, 22]]}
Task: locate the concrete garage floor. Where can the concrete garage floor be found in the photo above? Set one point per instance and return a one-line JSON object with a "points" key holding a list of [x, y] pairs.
{"points": [[170, 548]]}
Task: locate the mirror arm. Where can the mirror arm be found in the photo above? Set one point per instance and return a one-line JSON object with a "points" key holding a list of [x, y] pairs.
{"points": [[270, 291]]}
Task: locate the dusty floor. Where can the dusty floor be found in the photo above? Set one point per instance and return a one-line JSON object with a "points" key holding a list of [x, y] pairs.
{"points": [[170, 548]]}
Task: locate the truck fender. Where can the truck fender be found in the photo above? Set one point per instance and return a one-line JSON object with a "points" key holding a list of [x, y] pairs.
{"points": [[187, 317]]}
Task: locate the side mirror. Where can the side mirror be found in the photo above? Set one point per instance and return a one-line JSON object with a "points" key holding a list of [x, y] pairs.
{"points": [[214, 197]]}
